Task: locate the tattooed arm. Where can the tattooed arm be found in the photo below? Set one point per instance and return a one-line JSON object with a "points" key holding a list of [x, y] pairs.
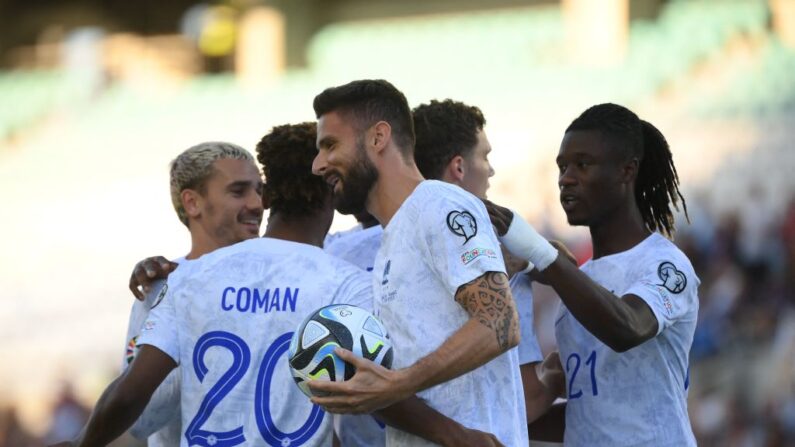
{"points": [[488, 300], [493, 328]]}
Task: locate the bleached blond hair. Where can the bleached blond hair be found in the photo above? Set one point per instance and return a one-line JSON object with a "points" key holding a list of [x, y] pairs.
{"points": [[192, 168]]}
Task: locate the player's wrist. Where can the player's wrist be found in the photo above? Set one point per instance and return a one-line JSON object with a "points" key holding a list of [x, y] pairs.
{"points": [[523, 240], [404, 383]]}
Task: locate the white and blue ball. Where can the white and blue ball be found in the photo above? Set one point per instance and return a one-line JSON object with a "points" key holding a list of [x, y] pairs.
{"points": [[311, 354]]}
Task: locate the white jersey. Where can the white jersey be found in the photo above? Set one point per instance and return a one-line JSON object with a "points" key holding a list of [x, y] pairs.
{"points": [[227, 319], [638, 397], [522, 290], [440, 239], [160, 422], [358, 246]]}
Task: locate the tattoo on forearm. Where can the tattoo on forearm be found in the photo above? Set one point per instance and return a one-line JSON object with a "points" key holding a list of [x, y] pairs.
{"points": [[487, 299]]}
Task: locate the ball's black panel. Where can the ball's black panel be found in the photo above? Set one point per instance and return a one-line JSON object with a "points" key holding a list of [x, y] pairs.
{"points": [[340, 332], [387, 362], [302, 358], [328, 364], [366, 350]]}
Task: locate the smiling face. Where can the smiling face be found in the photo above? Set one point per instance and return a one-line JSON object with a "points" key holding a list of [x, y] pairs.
{"points": [[229, 208], [343, 162], [591, 180]]}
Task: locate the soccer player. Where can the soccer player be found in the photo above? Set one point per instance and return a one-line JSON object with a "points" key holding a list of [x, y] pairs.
{"points": [[626, 325], [452, 146], [357, 245], [215, 192], [229, 316], [439, 277]]}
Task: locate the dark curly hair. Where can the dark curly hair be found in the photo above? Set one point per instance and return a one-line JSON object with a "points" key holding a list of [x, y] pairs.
{"points": [[368, 101], [286, 155], [444, 129], [657, 182]]}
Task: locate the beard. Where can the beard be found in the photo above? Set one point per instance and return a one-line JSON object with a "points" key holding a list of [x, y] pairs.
{"points": [[357, 184]]}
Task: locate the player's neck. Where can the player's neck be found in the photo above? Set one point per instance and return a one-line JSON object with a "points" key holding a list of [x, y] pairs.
{"points": [[621, 231], [305, 230], [396, 181], [200, 243]]}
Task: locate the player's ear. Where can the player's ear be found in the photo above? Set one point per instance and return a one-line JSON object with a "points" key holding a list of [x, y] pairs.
{"points": [[455, 171], [629, 170], [192, 202], [380, 135]]}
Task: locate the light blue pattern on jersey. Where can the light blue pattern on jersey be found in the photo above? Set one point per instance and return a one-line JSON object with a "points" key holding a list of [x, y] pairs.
{"points": [[439, 239], [359, 247], [639, 397], [227, 320], [522, 290], [160, 422]]}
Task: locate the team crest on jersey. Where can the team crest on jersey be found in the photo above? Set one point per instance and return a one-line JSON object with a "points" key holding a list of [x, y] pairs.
{"points": [[463, 224], [160, 296], [673, 279]]}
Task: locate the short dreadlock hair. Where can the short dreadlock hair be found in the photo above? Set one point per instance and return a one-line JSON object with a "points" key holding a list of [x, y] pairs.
{"points": [[286, 155]]}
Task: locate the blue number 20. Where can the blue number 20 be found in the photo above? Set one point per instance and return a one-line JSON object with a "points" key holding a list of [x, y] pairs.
{"points": [[591, 360], [271, 434], [240, 361], [241, 358]]}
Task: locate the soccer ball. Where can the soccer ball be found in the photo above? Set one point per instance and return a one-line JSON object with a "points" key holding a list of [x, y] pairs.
{"points": [[311, 354]]}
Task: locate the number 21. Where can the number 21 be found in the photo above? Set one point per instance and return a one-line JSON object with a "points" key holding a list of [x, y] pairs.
{"points": [[573, 366]]}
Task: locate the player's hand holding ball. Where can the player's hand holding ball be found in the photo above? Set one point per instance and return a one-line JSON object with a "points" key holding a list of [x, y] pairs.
{"points": [[371, 388], [338, 350]]}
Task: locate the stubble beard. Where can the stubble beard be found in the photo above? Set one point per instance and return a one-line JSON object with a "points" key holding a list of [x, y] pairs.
{"points": [[357, 184]]}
